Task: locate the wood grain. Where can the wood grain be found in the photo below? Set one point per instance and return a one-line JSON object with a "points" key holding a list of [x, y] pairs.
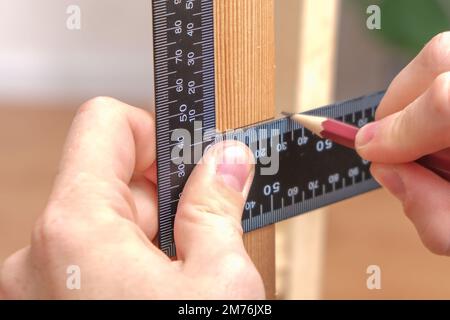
{"points": [[245, 68], [245, 92]]}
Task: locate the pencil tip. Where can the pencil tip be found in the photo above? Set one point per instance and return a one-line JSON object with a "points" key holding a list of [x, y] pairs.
{"points": [[312, 123]]}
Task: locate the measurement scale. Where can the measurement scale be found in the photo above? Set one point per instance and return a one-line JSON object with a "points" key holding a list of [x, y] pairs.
{"points": [[310, 172]]}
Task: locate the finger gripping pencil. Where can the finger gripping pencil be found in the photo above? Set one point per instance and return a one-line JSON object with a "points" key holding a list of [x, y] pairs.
{"points": [[345, 134]]}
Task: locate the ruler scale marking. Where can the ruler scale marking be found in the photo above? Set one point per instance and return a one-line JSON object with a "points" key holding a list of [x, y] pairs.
{"points": [[312, 172]]}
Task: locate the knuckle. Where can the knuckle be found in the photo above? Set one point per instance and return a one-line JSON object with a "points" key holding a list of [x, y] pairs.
{"points": [[440, 95], [51, 229], [97, 102], [86, 193], [437, 245], [73, 216], [437, 51], [405, 122], [99, 105], [408, 208], [58, 231]]}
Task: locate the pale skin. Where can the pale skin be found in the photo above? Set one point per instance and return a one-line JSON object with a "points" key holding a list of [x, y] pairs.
{"points": [[102, 217], [102, 212], [413, 121]]}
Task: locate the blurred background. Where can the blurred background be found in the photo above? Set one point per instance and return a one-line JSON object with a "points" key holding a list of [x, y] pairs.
{"points": [[47, 71]]}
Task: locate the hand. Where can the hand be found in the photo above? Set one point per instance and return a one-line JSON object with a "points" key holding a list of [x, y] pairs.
{"points": [[102, 217], [413, 121]]}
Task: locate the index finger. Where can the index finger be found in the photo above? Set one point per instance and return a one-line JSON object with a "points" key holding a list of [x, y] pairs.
{"points": [[109, 139], [417, 76]]}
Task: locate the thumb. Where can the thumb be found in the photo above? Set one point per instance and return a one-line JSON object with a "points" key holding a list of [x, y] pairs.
{"points": [[208, 220]]}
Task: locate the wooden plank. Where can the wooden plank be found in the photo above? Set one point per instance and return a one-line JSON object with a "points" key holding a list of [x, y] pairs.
{"points": [[306, 33], [245, 92]]}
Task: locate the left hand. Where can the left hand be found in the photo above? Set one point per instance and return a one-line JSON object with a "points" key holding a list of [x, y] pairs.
{"points": [[102, 217]]}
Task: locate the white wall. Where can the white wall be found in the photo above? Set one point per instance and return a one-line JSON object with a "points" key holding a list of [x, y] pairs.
{"points": [[41, 60]]}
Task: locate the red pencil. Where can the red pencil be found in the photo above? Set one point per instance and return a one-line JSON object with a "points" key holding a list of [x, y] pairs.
{"points": [[345, 134]]}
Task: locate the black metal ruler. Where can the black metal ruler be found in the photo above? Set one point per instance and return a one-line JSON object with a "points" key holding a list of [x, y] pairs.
{"points": [[295, 171]]}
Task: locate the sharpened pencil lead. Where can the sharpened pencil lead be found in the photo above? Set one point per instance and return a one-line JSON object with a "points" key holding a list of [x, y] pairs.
{"points": [[312, 123]]}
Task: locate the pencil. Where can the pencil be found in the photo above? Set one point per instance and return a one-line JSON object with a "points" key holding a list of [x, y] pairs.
{"points": [[345, 134]]}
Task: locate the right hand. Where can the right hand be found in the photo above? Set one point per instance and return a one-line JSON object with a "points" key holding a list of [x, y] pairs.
{"points": [[413, 120]]}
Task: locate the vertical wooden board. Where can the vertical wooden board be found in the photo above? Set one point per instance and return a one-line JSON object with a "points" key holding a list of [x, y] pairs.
{"points": [[245, 92], [245, 68], [305, 75]]}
